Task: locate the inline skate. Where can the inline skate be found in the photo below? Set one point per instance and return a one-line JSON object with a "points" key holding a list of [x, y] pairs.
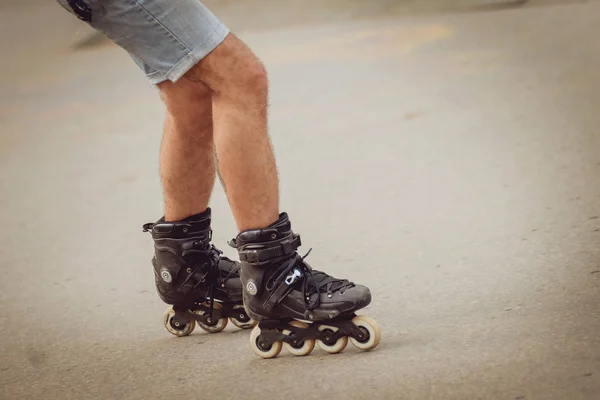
{"points": [[202, 286], [295, 305]]}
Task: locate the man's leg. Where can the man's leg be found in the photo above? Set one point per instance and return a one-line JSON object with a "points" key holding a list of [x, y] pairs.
{"points": [[240, 101], [186, 155], [149, 32], [167, 38], [236, 82]]}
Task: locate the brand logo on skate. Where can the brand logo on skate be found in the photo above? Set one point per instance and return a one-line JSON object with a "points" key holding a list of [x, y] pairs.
{"points": [[293, 277], [251, 288], [166, 276]]}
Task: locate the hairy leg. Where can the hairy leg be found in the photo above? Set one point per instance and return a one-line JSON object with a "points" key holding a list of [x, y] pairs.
{"points": [[245, 156], [187, 166]]}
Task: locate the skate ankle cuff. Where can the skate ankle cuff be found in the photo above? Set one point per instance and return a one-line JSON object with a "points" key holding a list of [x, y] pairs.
{"points": [[261, 253]]}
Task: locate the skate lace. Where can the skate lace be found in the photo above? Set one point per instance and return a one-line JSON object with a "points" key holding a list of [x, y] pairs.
{"points": [[313, 282], [208, 272], [217, 256]]}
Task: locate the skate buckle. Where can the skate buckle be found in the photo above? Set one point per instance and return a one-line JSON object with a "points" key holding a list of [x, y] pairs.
{"points": [[147, 227], [293, 277]]}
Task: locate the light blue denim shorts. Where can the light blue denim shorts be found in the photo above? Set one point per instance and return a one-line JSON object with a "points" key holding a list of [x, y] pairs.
{"points": [[164, 37]]}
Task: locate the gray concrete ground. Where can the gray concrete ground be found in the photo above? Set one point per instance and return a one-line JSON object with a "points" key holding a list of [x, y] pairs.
{"points": [[448, 160]]}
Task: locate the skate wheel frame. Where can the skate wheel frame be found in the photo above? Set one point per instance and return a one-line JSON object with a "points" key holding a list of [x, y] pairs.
{"points": [[364, 333], [180, 321]]}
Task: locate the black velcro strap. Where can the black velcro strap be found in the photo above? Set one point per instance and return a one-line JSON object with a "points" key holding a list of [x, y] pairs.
{"points": [[284, 248]]}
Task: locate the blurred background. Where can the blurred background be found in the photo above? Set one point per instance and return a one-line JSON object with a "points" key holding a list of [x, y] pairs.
{"points": [[444, 153]]}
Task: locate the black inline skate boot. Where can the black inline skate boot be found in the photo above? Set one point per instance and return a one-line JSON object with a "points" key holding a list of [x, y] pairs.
{"points": [[281, 291], [202, 286]]}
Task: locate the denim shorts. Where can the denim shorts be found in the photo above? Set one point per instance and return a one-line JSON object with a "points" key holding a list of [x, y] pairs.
{"points": [[164, 37]]}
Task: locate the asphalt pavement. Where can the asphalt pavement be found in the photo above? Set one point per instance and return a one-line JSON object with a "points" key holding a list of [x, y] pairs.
{"points": [[446, 157]]}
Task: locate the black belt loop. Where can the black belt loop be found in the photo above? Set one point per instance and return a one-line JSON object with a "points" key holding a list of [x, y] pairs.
{"points": [[286, 245]]}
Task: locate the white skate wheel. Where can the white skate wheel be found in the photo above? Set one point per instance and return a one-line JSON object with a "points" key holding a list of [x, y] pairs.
{"points": [[371, 330], [332, 347], [258, 347], [213, 326], [300, 349], [240, 323], [175, 329]]}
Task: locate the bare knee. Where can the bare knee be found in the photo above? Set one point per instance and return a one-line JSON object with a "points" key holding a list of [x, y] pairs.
{"points": [[254, 79], [188, 103], [231, 69]]}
